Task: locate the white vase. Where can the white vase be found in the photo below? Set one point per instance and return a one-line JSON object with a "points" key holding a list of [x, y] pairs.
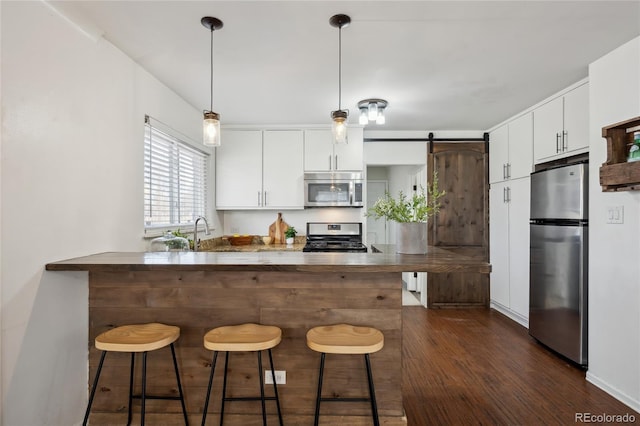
{"points": [[411, 237]]}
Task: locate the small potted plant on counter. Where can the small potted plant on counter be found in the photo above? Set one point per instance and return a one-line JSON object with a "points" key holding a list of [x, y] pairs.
{"points": [[290, 234], [411, 215]]}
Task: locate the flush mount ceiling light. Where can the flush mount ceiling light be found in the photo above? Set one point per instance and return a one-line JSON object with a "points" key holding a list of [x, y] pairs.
{"points": [[372, 110], [339, 117], [211, 123]]}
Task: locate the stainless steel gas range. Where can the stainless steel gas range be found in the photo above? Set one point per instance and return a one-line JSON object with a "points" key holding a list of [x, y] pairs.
{"points": [[345, 237]]}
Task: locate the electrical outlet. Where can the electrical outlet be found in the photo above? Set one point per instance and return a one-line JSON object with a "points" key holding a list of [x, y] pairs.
{"points": [[281, 377], [615, 214]]}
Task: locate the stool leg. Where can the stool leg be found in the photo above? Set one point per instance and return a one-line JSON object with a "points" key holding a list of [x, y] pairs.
{"points": [[175, 366], [206, 401], [224, 386], [319, 395], [144, 387], [264, 411], [131, 372], [93, 388], [275, 387], [372, 393]]}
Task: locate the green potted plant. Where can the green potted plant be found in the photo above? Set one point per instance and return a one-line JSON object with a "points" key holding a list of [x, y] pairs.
{"points": [[290, 234], [411, 215]]}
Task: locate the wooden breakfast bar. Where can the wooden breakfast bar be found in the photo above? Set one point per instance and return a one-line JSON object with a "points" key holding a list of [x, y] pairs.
{"points": [[295, 291]]}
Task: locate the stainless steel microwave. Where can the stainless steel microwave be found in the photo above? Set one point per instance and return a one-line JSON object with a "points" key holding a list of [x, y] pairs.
{"points": [[339, 189]]}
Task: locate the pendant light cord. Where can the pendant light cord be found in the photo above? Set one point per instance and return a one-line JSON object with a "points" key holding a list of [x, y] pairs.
{"points": [[340, 68], [211, 98]]}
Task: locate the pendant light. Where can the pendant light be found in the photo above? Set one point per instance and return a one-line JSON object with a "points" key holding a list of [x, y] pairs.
{"points": [[339, 117], [211, 123]]}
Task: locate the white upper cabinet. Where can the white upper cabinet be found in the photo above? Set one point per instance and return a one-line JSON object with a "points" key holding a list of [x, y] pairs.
{"points": [[498, 154], [322, 155], [511, 150], [576, 118], [239, 169], [258, 169], [561, 125], [521, 146], [282, 171]]}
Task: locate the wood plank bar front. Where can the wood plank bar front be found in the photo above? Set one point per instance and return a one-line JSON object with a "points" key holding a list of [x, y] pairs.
{"points": [[277, 290]]}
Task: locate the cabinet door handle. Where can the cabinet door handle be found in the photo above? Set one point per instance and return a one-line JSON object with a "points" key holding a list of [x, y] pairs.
{"points": [[565, 140], [557, 143]]}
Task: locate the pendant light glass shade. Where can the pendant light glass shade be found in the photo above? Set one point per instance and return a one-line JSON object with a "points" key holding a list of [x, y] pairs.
{"points": [[211, 129], [339, 127], [211, 120]]}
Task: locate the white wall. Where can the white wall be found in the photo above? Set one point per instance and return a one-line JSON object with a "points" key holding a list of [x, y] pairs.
{"points": [[614, 266], [71, 175]]}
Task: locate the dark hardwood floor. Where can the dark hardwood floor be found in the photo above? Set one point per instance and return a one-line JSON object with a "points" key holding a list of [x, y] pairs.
{"points": [[477, 367], [462, 367]]}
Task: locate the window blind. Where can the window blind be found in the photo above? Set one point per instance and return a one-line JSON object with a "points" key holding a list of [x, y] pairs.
{"points": [[175, 180]]}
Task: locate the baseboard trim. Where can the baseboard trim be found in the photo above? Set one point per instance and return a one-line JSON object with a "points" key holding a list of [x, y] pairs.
{"points": [[613, 391], [523, 321]]}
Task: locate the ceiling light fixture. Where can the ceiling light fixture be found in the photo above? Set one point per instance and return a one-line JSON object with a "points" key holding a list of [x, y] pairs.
{"points": [[339, 117], [372, 110], [211, 123]]}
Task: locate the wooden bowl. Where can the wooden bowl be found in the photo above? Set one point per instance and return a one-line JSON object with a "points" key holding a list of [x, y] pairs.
{"points": [[242, 240]]}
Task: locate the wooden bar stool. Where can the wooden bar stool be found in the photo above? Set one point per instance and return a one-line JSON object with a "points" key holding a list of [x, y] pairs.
{"points": [[243, 338], [346, 339], [138, 338]]}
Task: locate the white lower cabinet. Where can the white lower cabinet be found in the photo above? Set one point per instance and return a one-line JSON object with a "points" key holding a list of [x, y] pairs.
{"points": [[260, 169], [509, 206]]}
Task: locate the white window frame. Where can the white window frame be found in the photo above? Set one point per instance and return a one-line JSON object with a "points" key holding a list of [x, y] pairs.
{"points": [[182, 173]]}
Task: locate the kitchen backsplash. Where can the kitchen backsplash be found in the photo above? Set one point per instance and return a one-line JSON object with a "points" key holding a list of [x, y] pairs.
{"points": [[256, 222]]}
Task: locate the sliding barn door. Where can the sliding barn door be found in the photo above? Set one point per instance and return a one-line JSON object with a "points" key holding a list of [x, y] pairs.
{"points": [[462, 224]]}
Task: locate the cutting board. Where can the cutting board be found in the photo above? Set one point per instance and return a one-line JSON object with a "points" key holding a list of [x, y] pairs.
{"points": [[276, 230]]}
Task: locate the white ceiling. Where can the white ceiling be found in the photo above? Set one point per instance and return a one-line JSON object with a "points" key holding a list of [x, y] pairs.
{"points": [[441, 65]]}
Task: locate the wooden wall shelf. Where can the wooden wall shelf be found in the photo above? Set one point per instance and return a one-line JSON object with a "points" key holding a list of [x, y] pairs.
{"points": [[616, 174]]}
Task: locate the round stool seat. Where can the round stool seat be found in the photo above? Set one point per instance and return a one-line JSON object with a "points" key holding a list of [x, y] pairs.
{"points": [[137, 337], [345, 339], [244, 337]]}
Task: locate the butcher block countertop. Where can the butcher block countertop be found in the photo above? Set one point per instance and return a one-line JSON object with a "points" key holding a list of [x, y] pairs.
{"points": [[436, 260]]}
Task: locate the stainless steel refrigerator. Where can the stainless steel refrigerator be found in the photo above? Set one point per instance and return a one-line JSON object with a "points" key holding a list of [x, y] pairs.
{"points": [[558, 285]]}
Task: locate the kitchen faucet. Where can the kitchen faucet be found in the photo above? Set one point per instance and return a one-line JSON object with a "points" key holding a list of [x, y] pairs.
{"points": [[195, 231]]}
